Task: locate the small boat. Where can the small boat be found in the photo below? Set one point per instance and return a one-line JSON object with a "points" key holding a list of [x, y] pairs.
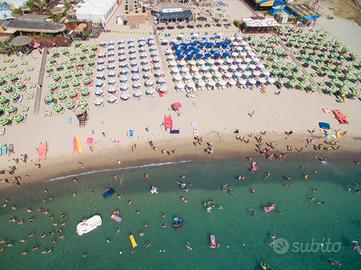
{"points": [[115, 216], [132, 241], [108, 192], [88, 225], [214, 243], [153, 190], [254, 166], [178, 222], [269, 208]]}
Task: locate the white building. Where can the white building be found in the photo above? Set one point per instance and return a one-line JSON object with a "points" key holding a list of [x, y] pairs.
{"points": [[97, 11]]}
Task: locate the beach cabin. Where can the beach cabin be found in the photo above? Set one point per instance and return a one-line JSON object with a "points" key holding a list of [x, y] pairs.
{"points": [[303, 12]]}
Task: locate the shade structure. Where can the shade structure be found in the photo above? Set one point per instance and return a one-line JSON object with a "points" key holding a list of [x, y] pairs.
{"points": [[112, 99], [21, 41], [96, 11], [98, 102]]}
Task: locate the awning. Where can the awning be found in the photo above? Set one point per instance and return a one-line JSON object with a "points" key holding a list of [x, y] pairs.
{"points": [[184, 14], [21, 41]]}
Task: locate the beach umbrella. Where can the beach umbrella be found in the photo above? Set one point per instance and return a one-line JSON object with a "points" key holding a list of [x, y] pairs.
{"points": [[176, 106], [148, 83], [88, 72], [222, 82], [83, 103], [58, 108], [48, 69], [69, 105], [252, 81], [64, 85], [12, 77], [7, 88], [123, 79], [5, 121], [61, 96], [14, 96], [111, 90], [111, 82], [136, 85], [123, 87], [76, 83], [85, 92], [78, 73], [67, 75], [18, 118], [2, 100], [98, 102], [73, 93], [232, 82]]}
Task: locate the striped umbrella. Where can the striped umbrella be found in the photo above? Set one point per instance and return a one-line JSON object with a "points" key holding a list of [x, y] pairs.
{"points": [[2, 99], [70, 105], [83, 102], [20, 85], [12, 77], [73, 93], [56, 77], [58, 107], [14, 95], [64, 85], [76, 83], [48, 98], [10, 108], [86, 81], [4, 121], [85, 92], [7, 88], [53, 86], [61, 96], [18, 118]]}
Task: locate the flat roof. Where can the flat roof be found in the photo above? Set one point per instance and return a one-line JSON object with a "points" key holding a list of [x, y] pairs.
{"points": [[176, 14], [302, 10], [33, 26], [266, 22]]}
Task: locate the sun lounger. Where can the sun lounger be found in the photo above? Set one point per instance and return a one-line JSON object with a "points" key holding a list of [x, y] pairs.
{"points": [[2, 131]]}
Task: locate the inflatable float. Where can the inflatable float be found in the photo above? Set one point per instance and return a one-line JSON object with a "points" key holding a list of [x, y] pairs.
{"points": [[214, 243], [254, 166], [88, 225], [115, 216], [356, 246], [269, 208], [108, 192], [132, 241], [153, 190]]}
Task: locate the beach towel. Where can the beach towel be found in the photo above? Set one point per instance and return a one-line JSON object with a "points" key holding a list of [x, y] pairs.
{"points": [[75, 146], [131, 133], [79, 145], [4, 150], [42, 150]]}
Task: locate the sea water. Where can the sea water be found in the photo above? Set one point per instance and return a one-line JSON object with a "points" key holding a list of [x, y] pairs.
{"points": [[307, 231]]}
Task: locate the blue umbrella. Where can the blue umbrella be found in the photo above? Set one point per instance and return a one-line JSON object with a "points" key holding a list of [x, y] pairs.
{"points": [[175, 46], [199, 55], [202, 44], [324, 125], [188, 49], [196, 50], [209, 45], [207, 55], [217, 55], [178, 51], [225, 54], [193, 44], [189, 56], [180, 56]]}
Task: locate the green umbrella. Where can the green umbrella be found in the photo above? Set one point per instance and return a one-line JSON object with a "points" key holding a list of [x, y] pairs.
{"points": [[7, 88], [78, 74], [4, 121], [10, 108], [61, 96], [59, 66], [2, 80], [76, 83], [92, 55], [65, 51], [73, 93], [82, 56], [48, 69], [12, 77], [53, 86], [58, 108], [67, 75], [94, 47], [86, 81], [48, 98], [20, 85], [18, 118], [2, 99], [56, 77], [70, 66], [14, 95], [2, 68], [88, 72], [70, 105], [91, 63], [83, 102], [64, 85], [85, 92], [77, 43]]}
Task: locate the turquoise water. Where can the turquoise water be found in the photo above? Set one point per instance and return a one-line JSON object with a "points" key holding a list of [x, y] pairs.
{"points": [[243, 238]]}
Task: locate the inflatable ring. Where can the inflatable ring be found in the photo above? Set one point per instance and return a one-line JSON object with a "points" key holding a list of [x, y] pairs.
{"points": [[194, 125], [195, 133]]}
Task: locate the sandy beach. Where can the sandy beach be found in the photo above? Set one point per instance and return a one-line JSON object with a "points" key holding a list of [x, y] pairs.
{"points": [[215, 113]]}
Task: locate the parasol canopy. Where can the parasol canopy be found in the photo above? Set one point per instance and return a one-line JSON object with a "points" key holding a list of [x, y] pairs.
{"points": [[176, 106]]}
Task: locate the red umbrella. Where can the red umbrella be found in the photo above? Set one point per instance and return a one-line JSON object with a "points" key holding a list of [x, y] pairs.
{"points": [[176, 106]]}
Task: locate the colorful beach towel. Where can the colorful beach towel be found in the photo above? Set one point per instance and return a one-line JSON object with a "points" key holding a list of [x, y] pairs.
{"points": [[42, 150]]}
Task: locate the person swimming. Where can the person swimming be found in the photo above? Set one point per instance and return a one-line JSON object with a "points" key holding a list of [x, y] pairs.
{"points": [[188, 246]]}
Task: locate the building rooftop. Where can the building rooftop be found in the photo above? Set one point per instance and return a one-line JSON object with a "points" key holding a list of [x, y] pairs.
{"points": [[32, 26]]}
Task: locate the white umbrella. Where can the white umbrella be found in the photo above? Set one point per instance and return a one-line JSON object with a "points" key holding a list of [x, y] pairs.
{"points": [[214, 68], [242, 81], [177, 77], [147, 75], [99, 83], [262, 80], [167, 51], [200, 62], [98, 102], [243, 54], [247, 73], [211, 83], [234, 54], [220, 61], [187, 76], [191, 62], [194, 69], [123, 87], [100, 68], [135, 77], [149, 91], [100, 61], [198, 76], [122, 58], [111, 90], [163, 89], [261, 66], [157, 66], [184, 69], [111, 59], [132, 56], [111, 82], [180, 86], [133, 63], [145, 68], [252, 81], [256, 60], [174, 70], [201, 84], [233, 67], [232, 82], [100, 76], [137, 93], [182, 62], [172, 63], [227, 75], [237, 74], [190, 85], [136, 85], [217, 74], [124, 95], [247, 60], [159, 73], [256, 72], [149, 83], [243, 67], [210, 61], [266, 72], [228, 61], [111, 66], [222, 82], [160, 80], [142, 49], [271, 80], [156, 59], [144, 61], [112, 74], [123, 79], [251, 66], [123, 71], [208, 75], [99, 92], [135, 70]]}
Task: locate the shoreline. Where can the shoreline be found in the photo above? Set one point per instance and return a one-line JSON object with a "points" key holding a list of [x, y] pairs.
{"points": [[106, 158]]}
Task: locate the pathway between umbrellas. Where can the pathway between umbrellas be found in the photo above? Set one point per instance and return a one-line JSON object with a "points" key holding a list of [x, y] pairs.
{"points": [[39, 87]]}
